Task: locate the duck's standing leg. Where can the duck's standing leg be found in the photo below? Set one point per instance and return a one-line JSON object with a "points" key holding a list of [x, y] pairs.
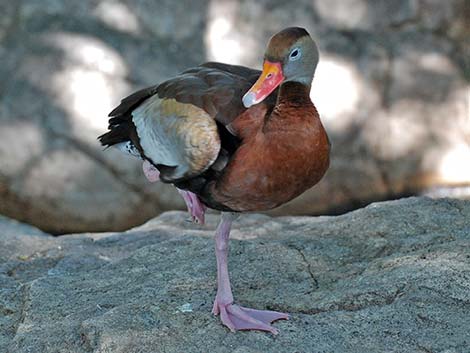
{"points": [[195, 207], [233, 316]]}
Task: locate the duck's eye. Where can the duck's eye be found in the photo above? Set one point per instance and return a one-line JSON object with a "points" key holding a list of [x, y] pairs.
{"points": [[294, 54]]}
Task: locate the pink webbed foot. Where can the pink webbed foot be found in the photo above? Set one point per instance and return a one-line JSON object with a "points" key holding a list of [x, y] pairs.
{"points": [[237, 317], [151, 173], [195, 207]]}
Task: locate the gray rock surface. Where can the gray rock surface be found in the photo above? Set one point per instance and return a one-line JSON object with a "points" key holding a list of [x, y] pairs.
{"points": [[392, 277], [391, 87]]}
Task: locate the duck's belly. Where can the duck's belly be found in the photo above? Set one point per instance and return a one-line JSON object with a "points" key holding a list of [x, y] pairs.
{"points": [[262, 177]]}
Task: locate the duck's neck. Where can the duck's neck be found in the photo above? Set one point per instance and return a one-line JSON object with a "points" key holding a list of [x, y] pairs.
{"points": [[292, 98], [293, 94], [293, 107]]}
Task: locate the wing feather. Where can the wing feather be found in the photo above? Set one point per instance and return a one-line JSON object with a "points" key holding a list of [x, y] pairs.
{"points": [[177, 135], [178, 123]]}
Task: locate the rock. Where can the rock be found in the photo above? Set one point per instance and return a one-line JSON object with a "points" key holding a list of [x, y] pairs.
{"points": [[67, 65], [392, 277], [391, 88], [364, 14]]}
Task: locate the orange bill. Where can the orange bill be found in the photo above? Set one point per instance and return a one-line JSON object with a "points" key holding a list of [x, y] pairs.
{"points": [[270, 78]]}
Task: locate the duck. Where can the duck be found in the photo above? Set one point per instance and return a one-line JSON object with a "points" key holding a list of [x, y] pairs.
{"points": [[233, 139]]}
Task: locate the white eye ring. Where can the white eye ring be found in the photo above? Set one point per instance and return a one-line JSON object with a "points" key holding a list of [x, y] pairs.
{"points": [[295, 54]]}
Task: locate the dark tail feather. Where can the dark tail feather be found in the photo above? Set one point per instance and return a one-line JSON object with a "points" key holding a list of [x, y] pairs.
{"points": [[117, 134]]}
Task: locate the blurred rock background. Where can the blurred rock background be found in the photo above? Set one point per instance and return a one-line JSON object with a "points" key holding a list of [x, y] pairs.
{"points": [[392, 88]]}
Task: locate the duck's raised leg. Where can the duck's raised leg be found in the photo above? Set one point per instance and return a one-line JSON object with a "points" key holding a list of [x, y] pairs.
{"points": [[233, 316], [195, 207], [151, 173]]}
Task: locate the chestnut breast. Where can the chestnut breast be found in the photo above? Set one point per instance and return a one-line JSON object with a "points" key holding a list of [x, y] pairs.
{"points": [[281, 156]]}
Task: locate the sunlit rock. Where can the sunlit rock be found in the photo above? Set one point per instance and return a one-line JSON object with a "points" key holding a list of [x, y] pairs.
{"points": [[224, 38], [18, 160], [343, 13], [119, 16], [366, 14], [455, 165], [336, 92]]}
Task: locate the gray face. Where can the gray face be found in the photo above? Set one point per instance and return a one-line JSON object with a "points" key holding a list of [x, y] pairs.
{"points": [[300, 61], [292, 56]]}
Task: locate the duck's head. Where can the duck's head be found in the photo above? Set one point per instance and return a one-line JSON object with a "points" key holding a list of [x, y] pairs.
{"points": [[291, 55]]}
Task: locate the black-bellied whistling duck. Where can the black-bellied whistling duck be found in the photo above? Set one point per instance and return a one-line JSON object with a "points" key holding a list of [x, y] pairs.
{"points": [[233, 139]]}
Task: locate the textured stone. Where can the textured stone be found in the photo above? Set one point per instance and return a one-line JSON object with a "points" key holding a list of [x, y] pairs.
{"points": [[391, 87], [366, 14], [392, 277]]}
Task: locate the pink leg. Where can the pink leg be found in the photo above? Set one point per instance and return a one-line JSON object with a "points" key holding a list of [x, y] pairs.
{"points": [[233, 316], [194, 205], [151, 173]]}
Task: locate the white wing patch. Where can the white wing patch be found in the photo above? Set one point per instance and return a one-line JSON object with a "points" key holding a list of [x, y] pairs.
{"points": [[177, 134], [127, 147]]}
